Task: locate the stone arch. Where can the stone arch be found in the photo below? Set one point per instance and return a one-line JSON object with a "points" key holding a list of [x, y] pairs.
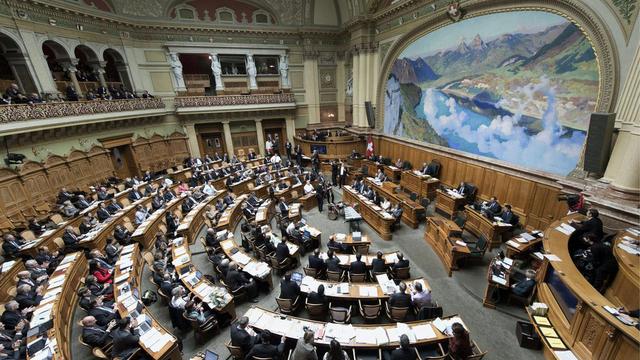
{"points": [[15, 66]]}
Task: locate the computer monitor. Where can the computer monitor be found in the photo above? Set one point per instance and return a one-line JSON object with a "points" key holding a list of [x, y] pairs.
{"points": [[210, 355], [297, 277]]}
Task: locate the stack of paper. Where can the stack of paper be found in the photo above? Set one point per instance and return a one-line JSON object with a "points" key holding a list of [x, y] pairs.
{"points": [[424, 332], [7, 265], [565, 229]]}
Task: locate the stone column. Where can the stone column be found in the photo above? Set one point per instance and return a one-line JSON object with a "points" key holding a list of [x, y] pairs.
{"points": [[98, 68], [216, 69], [341, 82], [376, 76], [311, 86], [37, 64], [260, 134], [355, 83], [252, 72], [192, 140], [70, 66], [624, 164], [227, 138], [291, 128]]}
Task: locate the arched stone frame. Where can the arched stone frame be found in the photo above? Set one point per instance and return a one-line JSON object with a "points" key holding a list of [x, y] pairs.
{"points": [[583, 17], [122, 66], [261, 12], [20, 57], [223, 9], [185, 6]]}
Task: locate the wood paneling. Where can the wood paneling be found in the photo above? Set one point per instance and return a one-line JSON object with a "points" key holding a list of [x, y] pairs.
{"points": [[158, 153], [532, 197]]}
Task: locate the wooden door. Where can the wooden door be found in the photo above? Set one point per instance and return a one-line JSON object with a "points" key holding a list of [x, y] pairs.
{"points": [[123, 161], [211, 143], [281, 138]]}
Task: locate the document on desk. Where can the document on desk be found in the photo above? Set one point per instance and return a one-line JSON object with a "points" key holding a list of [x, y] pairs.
{"points": [[527, 236], [181, 260], [343, 288], [630, 249], [513, 244], [565, 229], [552, 257], [565, 355], [179, 251], [461, 243], [548, 331], [391, 258], [309, 284], [499, 280], [241, 258], [367, 291], [424, 332], [344, 259], [55, 282], [366, 336]]}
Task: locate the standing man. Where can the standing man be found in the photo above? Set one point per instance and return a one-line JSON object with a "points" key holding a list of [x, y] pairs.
{"points": [[343, 174], [288, 147], [320, 195], [334, 172]]}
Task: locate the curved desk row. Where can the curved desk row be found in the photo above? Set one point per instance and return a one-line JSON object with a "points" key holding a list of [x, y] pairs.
{"points": [[625, 289], [340, 148], [146, 232], [127, 281], [59, 300], [359, 336], [10, 270], [576, 309], [380, 220], [232, 215], [196, 218], [358, 291], [412, 212]]}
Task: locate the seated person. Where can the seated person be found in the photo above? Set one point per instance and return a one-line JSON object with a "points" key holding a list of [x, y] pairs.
{"points": [[399, 163], [358, 266], [282, 251], [27, 296], [282, 185], [122, 235], [71, 239], [404, 352], [241, 336], [248, 212], [459, 343], [265, 349], [289, 289], [508, 216], [95, 335], [197, 312], [524, 287], [378, 265], [64, 196], [420, 297], [316, 262], [141, 214], [113, 207], [308, 188], [87, 224], [13, 316], [333, 244], [491, 208], [236, 279], [385, 204], [333, 263], [102, 213], [400, 299], [68, 210], [211, 239], [11, 246], [82, 203], [102, 313], [125, 340], [605, 266], [592, 225], [396, 212], [401, 263], [318, 297]]}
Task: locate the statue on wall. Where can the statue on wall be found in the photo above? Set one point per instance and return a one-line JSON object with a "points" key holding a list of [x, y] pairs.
{"points": [[284, 71], [217, 71], [252, 72], [176, 68]]}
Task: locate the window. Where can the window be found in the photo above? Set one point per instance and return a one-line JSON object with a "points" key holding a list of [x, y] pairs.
{"points": [[225, 15], [266, 64], [233, 64], [261, 18], [185, 12]]}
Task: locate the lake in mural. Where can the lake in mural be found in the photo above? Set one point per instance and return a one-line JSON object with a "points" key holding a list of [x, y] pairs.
{"points": [[517, 86]]}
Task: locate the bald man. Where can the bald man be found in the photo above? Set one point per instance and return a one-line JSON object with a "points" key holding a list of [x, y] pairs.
{"points": [[94, 334]]}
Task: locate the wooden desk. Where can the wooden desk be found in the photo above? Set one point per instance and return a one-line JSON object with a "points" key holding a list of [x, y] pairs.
{"points": [[590, 331], [241, 187], [372, 167], [443, 236], [517, 247], [246, 262], [357, 291], [423, 185], [295, 212], [389, 258], [496, 283], [392, 172], [412, 211], [216, 297], [131, 276], [380, 220], [261, 319], [309, 201], [447, 203], [8, 278], [146, 232], [479, 225], [337, 148], [348, 241], [232, 215], [263, 215], [626, 286], [193, 222], [72, 269]]}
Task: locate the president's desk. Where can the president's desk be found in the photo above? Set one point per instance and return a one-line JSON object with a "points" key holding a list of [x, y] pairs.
{"points": [[412, 212], [379, 220], [576, 309], [480, 225], [442, 235], [424, 186]]}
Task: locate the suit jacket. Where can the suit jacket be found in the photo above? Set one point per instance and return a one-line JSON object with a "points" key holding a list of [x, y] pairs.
{"points": [[265, 351], [11, 247], [524, 288], [315, 298], [102, 314], [102, 215], [289, 290], [82, 204], [124, 343], [134, 195], [240, 337], [593, 226], [400, 300], [358, 267], [378, 265], [315, 262], [507, 216], [282, 251], [283, 208], [235, 279], [96, 336], [84, 228], [27, 300], [11, 318], [402, 354], [212, 240], [401, 264], [70, 239], [333, 264]]}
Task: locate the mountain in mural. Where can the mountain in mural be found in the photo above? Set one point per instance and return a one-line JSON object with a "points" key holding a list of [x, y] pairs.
{"points": [[413, 71]]}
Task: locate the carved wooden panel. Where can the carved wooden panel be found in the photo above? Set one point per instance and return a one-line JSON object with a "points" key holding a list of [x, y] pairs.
{"points": [[591, 336]]}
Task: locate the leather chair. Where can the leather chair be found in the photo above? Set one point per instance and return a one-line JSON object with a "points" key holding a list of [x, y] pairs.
{"points": [[316, 311], [429, 312], [340, 315], [281, 266], [200, 331], [235, 351], [238, 294], [334, 275], [287, 306], [96, 351], [401, 273], [357, 277], [310, 272], [478, 249], [396, 314], [370, 312]]}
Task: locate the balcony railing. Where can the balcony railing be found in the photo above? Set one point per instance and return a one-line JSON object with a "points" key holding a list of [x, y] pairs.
{"points": [[230, 100], [23, 112]]}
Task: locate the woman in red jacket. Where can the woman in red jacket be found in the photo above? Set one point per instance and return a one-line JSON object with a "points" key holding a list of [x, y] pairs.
{"points": [[102, 275]]}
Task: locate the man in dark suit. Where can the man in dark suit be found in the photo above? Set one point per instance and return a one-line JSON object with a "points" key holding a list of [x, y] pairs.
{"points": [[315, 262], [524, 287], [121, 234], [289, 289], [12, 315], [282, 251], [320, 195], [211, 239], [82, 203], [400, 299], [333, 263], [125, 341], [236, 279], [401, 263], [317, 297], [284, 208], [71, 240], [378, 264], [491, 208], [240, 336], [358, 266], [11, 246], [507, 215], [64, 196], [265, 349], [103, 314], [27, 297], [94, 334], [134, 194], [113, 207], [102, 214], [593, 225], [404, 352]]}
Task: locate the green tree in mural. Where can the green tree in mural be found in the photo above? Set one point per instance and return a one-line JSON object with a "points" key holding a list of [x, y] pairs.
{"points": [[626, 8]]}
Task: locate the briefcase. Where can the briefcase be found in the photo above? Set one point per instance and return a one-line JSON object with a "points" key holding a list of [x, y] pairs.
{"points": [[527, 336]]}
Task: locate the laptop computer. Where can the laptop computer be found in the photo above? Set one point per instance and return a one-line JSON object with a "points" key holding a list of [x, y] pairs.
{"points": [[297, 277], [210, 355]]}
